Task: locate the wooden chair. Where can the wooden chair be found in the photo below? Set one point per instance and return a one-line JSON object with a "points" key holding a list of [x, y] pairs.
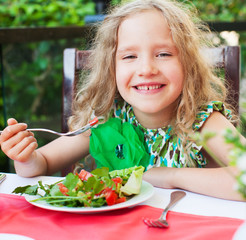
{"points": [[74, 60], [228, 59]]}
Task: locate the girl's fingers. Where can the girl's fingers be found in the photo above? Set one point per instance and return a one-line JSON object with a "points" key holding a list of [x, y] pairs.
{"points": [[14, 145], [13, 140], [27, 152], [12, 121], [17, 143], [12, 130], [23, 149]]}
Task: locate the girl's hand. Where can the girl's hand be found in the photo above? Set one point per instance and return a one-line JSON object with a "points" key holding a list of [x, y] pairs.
{"points": [[17, 143]]}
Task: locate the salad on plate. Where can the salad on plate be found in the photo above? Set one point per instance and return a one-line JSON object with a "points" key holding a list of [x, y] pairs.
{"points": [[98, 188]]}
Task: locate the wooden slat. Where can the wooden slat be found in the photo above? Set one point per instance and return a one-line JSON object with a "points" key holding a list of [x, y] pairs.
{"points": [[36, 34], [69, 56], [81, 59], [215, 56], [232, 67]]}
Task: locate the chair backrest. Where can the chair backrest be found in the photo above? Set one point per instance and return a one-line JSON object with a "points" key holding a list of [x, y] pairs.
{"points": [[228, 59], [74, 60]]}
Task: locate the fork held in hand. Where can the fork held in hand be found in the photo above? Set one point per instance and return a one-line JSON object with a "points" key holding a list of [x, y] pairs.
{"points": [[73, 133], [162, 222]]}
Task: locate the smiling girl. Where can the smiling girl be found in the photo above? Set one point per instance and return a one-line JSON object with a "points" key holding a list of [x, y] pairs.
{"points": [[147, 70]]}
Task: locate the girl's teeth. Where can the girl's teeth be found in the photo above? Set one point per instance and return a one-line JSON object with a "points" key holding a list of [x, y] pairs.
{"points": [[148, 88]]}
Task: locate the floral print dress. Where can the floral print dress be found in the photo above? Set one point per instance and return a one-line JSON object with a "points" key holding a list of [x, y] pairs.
{"points": [[164, 147]]}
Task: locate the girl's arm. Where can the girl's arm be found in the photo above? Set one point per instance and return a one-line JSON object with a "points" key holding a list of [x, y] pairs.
{"points": [[218, 182], [55, 156], [19, 145]]}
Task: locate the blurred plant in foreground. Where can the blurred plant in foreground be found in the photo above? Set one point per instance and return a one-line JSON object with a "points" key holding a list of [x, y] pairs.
{"points": [[237, 155]]}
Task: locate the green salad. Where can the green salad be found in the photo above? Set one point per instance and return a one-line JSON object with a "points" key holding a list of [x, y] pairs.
{"points": [[89, 189]]}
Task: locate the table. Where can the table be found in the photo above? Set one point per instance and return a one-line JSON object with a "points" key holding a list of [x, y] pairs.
{"points": [[192, 204]]}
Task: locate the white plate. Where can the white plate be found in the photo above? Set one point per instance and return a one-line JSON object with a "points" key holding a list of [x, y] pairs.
{"points": [[8, 236], [147, 190]]}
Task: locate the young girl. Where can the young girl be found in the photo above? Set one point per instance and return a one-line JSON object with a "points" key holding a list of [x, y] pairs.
{"points": [[147, 70]]}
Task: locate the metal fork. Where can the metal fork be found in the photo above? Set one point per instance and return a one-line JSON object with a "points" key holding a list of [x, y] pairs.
{"points": [[161, 222], [68, 134]]}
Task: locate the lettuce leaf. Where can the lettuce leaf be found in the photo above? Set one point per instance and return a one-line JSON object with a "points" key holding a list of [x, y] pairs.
{"points": [[125, 173], [133, 183]]}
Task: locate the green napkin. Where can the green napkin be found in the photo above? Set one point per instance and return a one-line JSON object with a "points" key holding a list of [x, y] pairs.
{"points": [[118, 145]]}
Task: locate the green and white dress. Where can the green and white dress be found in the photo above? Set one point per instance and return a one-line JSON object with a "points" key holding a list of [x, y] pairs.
{"points": [[162, 145]]}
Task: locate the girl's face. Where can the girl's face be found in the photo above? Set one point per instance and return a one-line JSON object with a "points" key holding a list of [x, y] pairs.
{"points": [[149, 74]]}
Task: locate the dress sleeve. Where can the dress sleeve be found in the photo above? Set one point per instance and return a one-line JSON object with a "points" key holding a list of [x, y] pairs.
{"points": [[207, 110]]}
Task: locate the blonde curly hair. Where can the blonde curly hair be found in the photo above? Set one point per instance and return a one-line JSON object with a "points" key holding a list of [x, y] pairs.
{"points": [[201, 85]]}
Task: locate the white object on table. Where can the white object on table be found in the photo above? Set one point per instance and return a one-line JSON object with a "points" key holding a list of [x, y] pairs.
{"points": [[8, 236], [192, 204]]}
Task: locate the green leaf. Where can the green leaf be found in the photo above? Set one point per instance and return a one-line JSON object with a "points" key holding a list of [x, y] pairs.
{"points": [[98, 202], [94, 185], [46, 189], [71, 181], [134, 183], [55, 191], [100, 172], [31, 190]]}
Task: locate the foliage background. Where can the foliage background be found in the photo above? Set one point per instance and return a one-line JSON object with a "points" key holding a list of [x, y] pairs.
{"points": [[33, 71]]}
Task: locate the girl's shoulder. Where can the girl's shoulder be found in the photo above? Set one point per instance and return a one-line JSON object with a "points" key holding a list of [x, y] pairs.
{"points": [[206, 110]]}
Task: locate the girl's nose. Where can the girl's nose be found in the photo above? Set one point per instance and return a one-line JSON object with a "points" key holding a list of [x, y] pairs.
{"points": [[147, 68]]}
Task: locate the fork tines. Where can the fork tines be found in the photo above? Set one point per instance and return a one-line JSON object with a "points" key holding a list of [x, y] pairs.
{"points": [[155, 223]]}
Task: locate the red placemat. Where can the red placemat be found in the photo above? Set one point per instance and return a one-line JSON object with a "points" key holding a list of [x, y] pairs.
{"points": [[20, 217]]}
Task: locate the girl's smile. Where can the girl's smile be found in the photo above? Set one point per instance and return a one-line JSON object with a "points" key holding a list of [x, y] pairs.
{"points": [[149, 74], [149, 88]]}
